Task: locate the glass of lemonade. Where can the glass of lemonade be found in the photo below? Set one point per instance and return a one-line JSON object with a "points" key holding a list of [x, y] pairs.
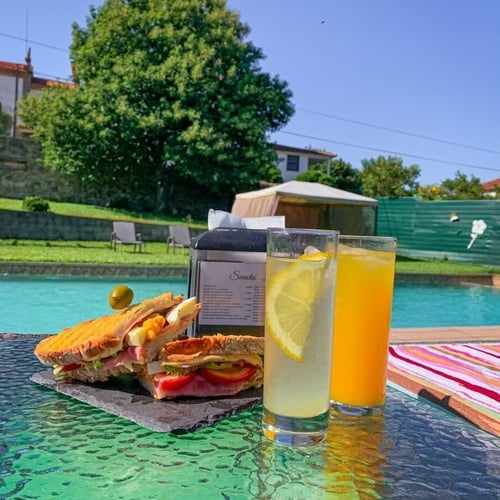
{"points": [[299, 300], [363, 305]]}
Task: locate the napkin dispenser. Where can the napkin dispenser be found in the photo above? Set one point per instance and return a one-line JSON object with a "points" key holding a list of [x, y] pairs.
{"points": [[227, 272]]}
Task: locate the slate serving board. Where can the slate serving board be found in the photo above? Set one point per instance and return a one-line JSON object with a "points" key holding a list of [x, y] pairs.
{"points": [[126, 398]]}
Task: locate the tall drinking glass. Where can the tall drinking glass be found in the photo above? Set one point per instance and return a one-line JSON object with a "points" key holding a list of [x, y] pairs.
{"points": [[363, 305], [299, 299]]}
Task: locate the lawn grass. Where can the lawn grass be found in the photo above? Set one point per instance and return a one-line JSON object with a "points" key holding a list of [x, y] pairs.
{"points": [[99, 252], [431, 266], [89, 252], [94, 211]]}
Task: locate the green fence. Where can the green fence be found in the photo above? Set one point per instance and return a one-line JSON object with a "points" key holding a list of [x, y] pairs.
{"points": [[467, 230]]}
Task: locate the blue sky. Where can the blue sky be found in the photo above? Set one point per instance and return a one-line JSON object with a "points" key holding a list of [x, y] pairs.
{"points": [[417, 79]]}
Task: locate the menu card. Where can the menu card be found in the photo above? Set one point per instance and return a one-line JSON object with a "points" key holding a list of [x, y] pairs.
{"points": [[232, 293]]}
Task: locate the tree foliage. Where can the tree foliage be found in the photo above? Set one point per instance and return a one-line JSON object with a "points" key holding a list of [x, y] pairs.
{"points": [[430, 193], [316, 175], [5, 122], [462, 188], [170, 107], [388, 177], [337, 173], [272, 174]]}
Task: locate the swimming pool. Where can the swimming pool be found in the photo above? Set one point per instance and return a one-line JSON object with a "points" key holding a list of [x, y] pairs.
{"points": [[46, 304], [425, 305]]}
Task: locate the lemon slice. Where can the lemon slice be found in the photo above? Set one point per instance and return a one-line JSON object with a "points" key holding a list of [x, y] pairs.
{"points": [[316, 256], [291, 296]]}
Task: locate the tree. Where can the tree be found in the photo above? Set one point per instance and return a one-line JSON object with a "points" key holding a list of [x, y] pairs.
{"points": [[273, 175], [429, 193], [387, 177], [170, 107], [345, 176], [461, 188], [316, 175], [337, 173]]}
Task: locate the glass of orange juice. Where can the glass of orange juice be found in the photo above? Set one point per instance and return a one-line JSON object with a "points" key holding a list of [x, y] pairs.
{"points": [[299, 301], [363, 306]]}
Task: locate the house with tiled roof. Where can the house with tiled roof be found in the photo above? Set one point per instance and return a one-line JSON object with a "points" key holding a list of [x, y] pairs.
{"points": [[17, 80], [293, 161], [491, 188]]}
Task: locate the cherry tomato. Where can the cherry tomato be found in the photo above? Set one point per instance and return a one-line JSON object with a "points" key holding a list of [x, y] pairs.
{"points": [[228, 375], [172, 382]]}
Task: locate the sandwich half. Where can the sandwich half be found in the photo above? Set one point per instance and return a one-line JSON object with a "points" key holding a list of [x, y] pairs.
{"points": [[214, 365], [123, 342]]}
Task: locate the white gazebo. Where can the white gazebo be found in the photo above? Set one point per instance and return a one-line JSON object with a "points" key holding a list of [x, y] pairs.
{"points": [[311, 205]]}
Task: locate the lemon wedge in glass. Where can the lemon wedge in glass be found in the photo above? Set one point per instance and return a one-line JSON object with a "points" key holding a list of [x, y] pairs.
{"points": [[291, 295]]}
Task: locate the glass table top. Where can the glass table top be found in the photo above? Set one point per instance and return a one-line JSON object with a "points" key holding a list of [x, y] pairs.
{"points": [[54, 446]]}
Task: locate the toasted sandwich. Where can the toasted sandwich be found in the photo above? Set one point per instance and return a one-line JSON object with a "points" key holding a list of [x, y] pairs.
{"points": [[214, 365], [123, 342]]}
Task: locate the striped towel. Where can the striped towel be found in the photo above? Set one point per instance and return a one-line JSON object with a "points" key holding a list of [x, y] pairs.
{"points": [[463, 378]]}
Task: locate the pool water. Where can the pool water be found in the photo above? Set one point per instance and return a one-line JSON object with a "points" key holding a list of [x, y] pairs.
{"points": [[46, 304], [426, 305]]}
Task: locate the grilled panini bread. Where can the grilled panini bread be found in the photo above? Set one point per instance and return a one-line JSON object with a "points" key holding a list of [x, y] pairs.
{"points": [[110, 345], [214, 365]]}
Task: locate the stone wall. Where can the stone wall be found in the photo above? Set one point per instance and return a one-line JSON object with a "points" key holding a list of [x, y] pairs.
{"points": [[48, 226], [22, 174], [59, 268], [448, 279]]}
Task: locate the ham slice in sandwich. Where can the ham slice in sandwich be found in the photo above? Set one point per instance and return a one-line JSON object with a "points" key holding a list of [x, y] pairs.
{"points": [[214, 365]]}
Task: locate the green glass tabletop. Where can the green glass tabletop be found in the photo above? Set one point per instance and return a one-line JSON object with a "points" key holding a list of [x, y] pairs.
{"points": [[52, 445]]}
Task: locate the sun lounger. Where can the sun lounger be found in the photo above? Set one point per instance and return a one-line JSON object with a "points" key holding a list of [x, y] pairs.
{"points": [[124, 234]]}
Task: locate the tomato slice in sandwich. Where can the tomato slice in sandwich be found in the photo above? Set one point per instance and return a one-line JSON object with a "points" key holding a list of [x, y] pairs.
{"points": [[236, 373], [71, 367], [168, 382]]}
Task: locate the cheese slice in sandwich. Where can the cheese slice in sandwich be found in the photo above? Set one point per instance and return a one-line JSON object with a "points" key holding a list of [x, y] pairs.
{"points": [[209, 366], [118, 343]]}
